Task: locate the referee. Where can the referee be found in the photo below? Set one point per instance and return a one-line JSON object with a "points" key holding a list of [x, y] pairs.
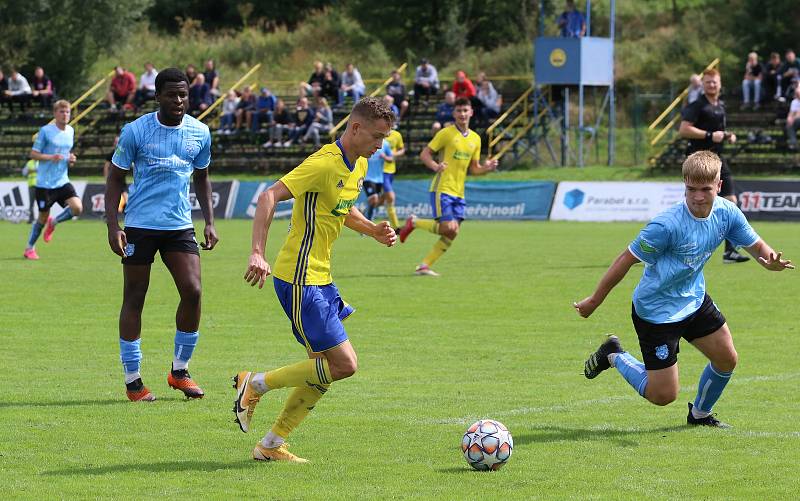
{"points": [[703, 125]]}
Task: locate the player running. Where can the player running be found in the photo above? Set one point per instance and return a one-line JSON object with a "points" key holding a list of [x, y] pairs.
{"points": [[373, 183], [388, 198], [325, 188], [459, 150], [164, 149], [671, 302], [53, 150]]}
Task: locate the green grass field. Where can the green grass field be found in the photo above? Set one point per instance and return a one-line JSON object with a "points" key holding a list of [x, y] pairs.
{"points": [[494, 337]]}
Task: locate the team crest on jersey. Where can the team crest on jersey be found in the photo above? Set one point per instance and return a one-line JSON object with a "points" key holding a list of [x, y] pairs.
{"points": [[662, 352], [192, 148]]}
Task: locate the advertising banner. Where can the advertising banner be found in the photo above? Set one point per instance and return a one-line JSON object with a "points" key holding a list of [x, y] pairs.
{"points": [[613, 201], [15, 201], [223, 193], [485, 200], [769, 200]]}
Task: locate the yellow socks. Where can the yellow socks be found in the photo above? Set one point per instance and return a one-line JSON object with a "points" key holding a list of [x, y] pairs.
{"points": [[300, 402], [392, 215], [312, 371], [428, 225], [439, 248]]}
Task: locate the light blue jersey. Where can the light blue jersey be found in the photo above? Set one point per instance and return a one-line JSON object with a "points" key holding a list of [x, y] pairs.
{"points": [[51, 141], [163, 159], [375, 163], [674, 247]]}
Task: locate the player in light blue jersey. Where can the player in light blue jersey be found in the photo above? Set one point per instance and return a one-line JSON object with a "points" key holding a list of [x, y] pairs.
{"points": [[164, 150], [373, 182], [53, 149], [671, 302]]}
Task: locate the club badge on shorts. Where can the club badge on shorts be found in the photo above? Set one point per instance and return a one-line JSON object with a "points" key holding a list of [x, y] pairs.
{"points": [[130, 249], [662, 352]]}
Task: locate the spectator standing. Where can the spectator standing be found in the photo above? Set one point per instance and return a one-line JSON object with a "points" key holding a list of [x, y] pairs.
{"points": [[352, 84], [247, 103], [772, 76], [42, 88], [397, 90], [490, 100], [212, 79], [789, 74], [281, 121], [426, 81], [19, 90], [147, 85], [751, 83], [228, 118], [122, 88], [793, 121], [571, 22], [444, 114], [695, 88], [322, 123], [199, 95], [303, 116], [265, 106]]}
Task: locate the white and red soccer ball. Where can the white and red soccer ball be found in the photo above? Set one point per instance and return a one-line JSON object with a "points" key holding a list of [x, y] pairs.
{"points": [[487, 445]]}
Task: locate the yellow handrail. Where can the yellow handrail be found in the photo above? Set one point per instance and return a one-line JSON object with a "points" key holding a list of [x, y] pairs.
{"points": [[664, 130], [522, 97], [222, 96], [374, 93], [678, 99], [80, 100], [522, 116]]}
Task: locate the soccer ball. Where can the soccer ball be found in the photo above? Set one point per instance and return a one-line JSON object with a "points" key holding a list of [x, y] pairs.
{"points": [[487, 445]]}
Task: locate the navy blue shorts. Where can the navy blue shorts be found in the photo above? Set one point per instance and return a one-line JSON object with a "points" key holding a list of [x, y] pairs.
{"points": [[316, 313], [447, 207], [387, 182]]}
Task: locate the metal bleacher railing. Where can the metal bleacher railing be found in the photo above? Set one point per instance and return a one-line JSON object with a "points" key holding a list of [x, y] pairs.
{"points": [[221, 98], [378, 90], [657, 136], [497, 131]]}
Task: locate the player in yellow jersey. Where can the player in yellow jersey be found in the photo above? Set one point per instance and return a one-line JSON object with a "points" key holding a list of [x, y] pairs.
{"points": [[325, 188], [395, 140], [459, 150]]}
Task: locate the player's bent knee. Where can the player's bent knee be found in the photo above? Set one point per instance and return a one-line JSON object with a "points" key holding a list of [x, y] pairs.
{"points": [[343, 369], [727, 362]]}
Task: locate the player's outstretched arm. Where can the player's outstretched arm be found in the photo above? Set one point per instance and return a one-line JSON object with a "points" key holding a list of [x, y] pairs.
{"points": [[768, 258], [616, 272], [476, 169], [382, 232], [257, 267], [115, 183], [202, 187]]}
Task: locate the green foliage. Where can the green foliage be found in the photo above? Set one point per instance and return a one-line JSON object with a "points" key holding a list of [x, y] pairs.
{"points": [[64, 37]]}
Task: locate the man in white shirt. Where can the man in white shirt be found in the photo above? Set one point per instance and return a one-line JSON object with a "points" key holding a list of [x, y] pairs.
{"points": [[147, 85], [19, 90], [426, 81], [793, 121]]}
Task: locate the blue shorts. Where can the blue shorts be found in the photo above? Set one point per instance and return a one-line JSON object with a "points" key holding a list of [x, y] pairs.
{"points": [[316, 313], [387, 182], [447, 207]]}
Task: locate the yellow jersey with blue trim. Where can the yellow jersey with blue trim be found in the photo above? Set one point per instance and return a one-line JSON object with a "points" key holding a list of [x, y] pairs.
{"points": [[457, 150], [325, 186], [395, 140]]}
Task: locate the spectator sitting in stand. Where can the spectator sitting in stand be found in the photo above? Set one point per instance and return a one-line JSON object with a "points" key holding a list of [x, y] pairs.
{"points": [[322, 123], [212, 79], [42, 88], [695, 88], [772, 76], [426, 81], [314, 84], [247, 103], [397, 90], [789, 74], [390, 100], [147, 86], [19, 90], [352, 84], [122, 89], [303, 116], [464, 88], [228, 117], [191, 72], [491, 102], [330, 86], [571, 22], [199, 95], [793, 121], [3, 87], [281, 120], [751, 83], [265, 105], [444, 114]]}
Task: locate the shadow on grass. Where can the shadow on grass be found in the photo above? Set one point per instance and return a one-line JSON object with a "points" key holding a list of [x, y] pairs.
{"points": [[457, 469], [623, 437], [88, 403], [155, 467], [376, 275]]}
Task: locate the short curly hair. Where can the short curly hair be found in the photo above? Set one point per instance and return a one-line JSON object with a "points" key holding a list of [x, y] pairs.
{"points": [[372, 109]]}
